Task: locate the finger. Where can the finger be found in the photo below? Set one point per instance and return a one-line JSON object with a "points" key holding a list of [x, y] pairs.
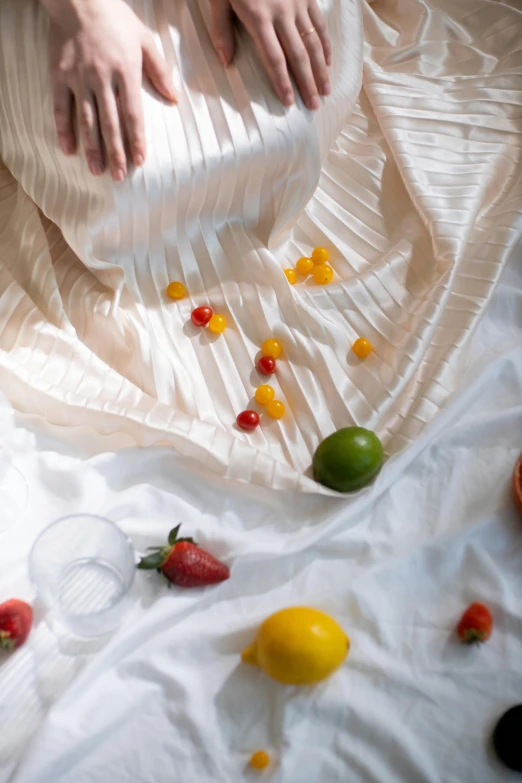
{"points": [[319, 23], [315, 51], [63, 100], [223, 36], [272, 55], [299, 62], [132, 116], [157, 70], [89, 132], [111, 132]]}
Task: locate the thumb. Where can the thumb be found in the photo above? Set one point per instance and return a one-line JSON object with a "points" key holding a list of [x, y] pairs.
{"points": [[223, 36], [157, 70]]}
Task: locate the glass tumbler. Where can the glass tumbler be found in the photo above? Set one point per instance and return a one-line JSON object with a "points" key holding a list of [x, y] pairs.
{"points": [[83, 568]]}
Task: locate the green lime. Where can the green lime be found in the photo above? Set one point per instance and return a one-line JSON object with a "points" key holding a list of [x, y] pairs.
{"points": [[348, 459]]}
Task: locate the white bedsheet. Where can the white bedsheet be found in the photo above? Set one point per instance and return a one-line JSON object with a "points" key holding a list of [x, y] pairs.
{"points": [[419, 201], [167, 699]]}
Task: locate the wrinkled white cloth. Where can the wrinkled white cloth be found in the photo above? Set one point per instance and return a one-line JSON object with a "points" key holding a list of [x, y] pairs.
{"points": [[168, 699], [415, 189], [419, 202]]}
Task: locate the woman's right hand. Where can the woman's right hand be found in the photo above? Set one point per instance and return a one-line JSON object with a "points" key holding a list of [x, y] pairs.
{"points": [[98, 52], [290, 35]]}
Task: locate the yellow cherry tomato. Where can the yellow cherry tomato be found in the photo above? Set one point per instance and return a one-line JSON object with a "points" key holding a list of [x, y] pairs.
{"points": [[362, 347], [323, 274], [291, 276], [264, 394], [304, 266], [217, 323], [320, 255], [275, 409], [176, 290], [260, 760], [272, 348]]}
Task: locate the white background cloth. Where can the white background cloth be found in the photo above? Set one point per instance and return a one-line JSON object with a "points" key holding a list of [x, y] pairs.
{"points": [[419, 200], [168, 699]]}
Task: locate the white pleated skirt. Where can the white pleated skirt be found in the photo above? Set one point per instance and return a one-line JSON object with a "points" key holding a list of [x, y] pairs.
{"points": [[412, 183]]}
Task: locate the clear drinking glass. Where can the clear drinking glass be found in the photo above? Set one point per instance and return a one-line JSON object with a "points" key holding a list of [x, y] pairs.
{"points": [[83, 568]]}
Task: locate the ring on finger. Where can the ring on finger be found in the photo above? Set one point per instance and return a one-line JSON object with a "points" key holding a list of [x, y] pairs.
{"points": [[307, 32]]}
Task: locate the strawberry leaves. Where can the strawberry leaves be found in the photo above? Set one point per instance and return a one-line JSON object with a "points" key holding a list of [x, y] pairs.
{"points": [[154, 560], [173, 537], [159, 554], [6, 643]]}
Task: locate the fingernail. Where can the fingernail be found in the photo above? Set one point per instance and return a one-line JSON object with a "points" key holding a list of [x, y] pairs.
{"points": [[223, 59], [118, 175], [139, 159], [96, 166], [314, 102], [172, 93], [325, 89], [66, 147], [288, 98]]}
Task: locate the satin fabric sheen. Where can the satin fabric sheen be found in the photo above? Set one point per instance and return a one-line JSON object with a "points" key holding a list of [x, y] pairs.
{"points": [[413, 183]]}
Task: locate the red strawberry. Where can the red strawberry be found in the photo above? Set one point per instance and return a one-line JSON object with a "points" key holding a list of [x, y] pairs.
{"points": [[184, 563], [475, 624], [16, 619]]}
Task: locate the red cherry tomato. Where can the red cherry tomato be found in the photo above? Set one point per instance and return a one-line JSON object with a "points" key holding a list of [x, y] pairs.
{"points": [[201, 316], [248, 420], [266, 365]]}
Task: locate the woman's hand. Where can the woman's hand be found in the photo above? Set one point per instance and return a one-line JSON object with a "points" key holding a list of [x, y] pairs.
{"points": [[288, 34], [98, 50]]}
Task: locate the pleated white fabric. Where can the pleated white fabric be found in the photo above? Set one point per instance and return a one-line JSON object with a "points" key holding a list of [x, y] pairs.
{"points": [[414, 184]]}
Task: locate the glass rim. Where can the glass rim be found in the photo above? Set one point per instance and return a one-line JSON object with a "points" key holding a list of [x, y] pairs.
{"points": [[129, 580]]}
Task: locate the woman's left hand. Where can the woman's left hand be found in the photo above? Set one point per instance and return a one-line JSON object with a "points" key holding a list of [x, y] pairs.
{"points": [[288, 34]]}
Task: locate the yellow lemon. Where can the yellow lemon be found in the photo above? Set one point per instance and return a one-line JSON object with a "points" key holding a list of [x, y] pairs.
{"points": [[298, 646]]}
